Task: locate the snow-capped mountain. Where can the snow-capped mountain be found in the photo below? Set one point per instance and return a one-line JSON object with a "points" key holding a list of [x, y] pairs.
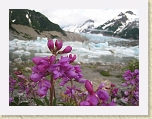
{"points": [[125, 25], [89, 24]]}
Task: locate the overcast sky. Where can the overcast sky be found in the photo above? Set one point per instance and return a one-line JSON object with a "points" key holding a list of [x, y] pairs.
{"points": [[65, 17]]}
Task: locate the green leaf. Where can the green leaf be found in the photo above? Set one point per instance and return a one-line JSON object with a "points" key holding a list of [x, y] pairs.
{"points": [[72, 104], [46, 100], [16, 87], [16, 99], [63, 104], [54, 102], [38, 102], [23, 104], [12, 104]]}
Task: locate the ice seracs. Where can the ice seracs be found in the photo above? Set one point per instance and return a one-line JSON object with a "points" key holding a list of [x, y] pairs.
{"points": [[87, 51]]}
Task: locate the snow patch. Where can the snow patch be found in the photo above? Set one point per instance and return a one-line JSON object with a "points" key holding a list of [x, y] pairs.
{"points": [[14, 20]]}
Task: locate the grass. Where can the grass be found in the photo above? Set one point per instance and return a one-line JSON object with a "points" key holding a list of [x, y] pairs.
{"points": [[118, 76], [91, 66], [105, 73]]}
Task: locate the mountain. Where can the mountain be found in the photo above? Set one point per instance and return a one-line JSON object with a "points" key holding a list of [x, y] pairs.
{"points": [[89, 24], [32, 19], [125, 25], [28, 24]]}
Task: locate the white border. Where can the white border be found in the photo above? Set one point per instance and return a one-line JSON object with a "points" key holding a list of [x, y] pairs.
{"points": [[5, 5]]}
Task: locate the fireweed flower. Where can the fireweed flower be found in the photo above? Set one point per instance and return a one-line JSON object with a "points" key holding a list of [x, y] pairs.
{"points": [[50, 45], [43, 86], [101, 86], [131, 79], [44, 83], [42, 91], [64, 81], [12, 83], [58, 45], [36, 60], [18, 72], [36, 77], [64, 70], [71, 91], [114, 90], [85, 103], [41, 69], [89, 87], [10, 99], [67, 50], [81, 80], [103, 95], [42, 63], [72, 58], [52, 59], [22, 83], [91, 100]]}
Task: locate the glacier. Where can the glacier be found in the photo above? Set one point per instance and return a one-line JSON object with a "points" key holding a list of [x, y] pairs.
{"points": [[86, 52]]}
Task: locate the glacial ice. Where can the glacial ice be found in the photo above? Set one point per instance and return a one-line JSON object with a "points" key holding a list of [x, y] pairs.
{"points": [[85, 51]]}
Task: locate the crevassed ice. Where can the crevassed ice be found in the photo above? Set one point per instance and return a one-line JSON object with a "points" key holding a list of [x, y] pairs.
{"points": [[86, 51]]}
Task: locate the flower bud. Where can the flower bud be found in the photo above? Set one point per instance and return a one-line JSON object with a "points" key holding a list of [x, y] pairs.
{"points": [[72, 58], [18, 72], [50, 45], [67, 49], [52, 59], [89, 87], [58, 44]]}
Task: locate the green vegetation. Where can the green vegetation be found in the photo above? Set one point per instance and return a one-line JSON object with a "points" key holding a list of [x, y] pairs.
{"points": [[37, 31], [53, 36], [132, 33], [118, 76], [27, 36], [91, 66], [38, 20], [132, 65], [105, 73], [100, 27]]}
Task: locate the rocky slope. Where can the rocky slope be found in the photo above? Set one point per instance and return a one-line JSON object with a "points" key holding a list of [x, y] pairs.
{"points": [[25, 24], [32, 19], [27, 33]]}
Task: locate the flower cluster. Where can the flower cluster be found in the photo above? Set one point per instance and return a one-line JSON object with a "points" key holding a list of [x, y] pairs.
{"points": [[55, 68], [48, 70], [99, 97], [132, 81], [65, 71], [12, 83]]}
